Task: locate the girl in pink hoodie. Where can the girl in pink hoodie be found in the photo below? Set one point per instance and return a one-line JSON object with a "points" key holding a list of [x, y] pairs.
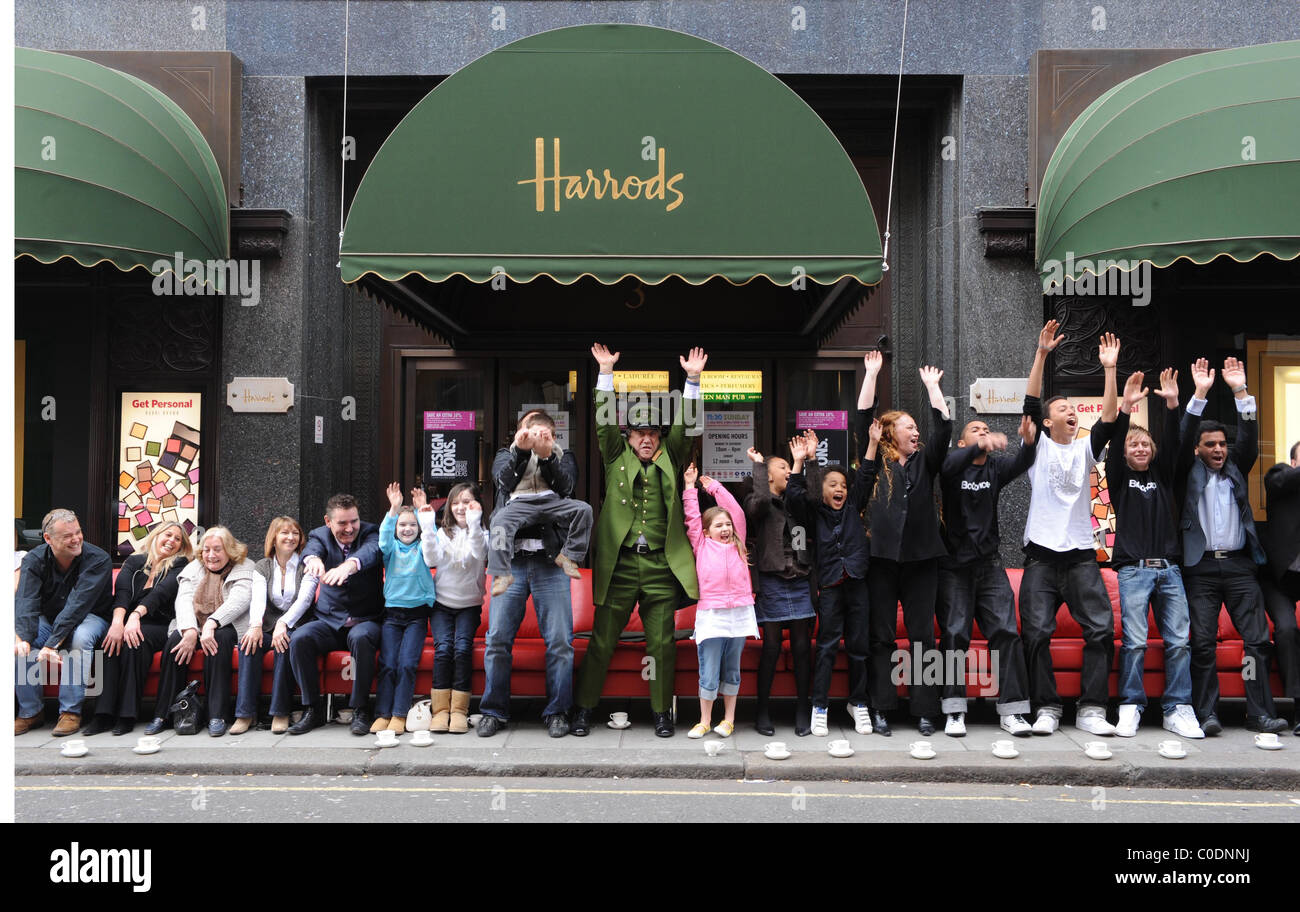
{"points": [[724, 616]]}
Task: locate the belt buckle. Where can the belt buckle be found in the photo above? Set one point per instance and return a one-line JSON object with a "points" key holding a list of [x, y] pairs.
{"points": [[1154, 563], [641, 549], [1222, 555]]}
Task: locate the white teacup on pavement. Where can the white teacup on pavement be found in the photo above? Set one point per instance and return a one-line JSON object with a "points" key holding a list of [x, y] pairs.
{"points": [[776, 750], [1005, 749], [1172, 749], [1097, 750], [840, 748], [921, 750], [74, 748], [422, 738], [386, 738], [1268, 741]]}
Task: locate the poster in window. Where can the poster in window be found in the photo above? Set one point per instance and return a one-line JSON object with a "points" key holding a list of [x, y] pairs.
{"points": [[832, 429], [450, 446], [158, 476]]}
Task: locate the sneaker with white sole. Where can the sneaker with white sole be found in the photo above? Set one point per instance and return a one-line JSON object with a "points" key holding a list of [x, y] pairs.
{"points": [[1129, 716], [1015, 724], [1046, 723], [1093, 721], [955, 727], [819, 722], [861, 716], [1182, 722]]}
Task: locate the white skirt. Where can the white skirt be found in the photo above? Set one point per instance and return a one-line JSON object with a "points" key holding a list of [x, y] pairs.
{"points": [[725, 622]]}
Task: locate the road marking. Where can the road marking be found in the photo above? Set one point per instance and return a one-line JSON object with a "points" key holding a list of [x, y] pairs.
{"points": [[525, 790]]}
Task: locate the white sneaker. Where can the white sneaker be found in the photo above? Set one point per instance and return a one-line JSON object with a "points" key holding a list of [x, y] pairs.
{"points": [[1182, 722], [1093, 721], [819, 722], [1129, 716], [955, 727], [861, 716], [1046, 723], [1015, 724]]}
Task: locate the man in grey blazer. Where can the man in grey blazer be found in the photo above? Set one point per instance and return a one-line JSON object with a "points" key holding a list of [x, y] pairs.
{"points": [[1221, 549]]}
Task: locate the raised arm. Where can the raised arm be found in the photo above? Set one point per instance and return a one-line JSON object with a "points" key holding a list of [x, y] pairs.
{"points": [[1245, 449], [758, 502], [728, 503], [872, 362], [1010, 469], [679, 443], [608, 437], [691, 504], [1047, 342], [1171, 439], [940, 420], [1108, 355]]}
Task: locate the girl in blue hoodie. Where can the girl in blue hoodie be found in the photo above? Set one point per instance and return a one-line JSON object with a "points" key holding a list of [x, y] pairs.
{"points": [[408, 600]]}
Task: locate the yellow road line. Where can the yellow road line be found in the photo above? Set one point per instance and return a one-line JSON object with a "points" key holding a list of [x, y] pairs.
{"points": [[635, 792]]}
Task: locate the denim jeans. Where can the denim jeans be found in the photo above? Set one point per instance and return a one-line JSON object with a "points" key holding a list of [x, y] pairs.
{"points": [[250, 680], [77, 667], [551, 597], [453, 646], [719, 659], [1163, 589], [400, 646]]}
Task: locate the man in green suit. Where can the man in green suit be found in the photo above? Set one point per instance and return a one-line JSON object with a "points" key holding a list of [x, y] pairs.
{"points": [[643, 558]]}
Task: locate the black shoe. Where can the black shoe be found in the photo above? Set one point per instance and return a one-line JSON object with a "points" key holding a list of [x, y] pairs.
{"points": [[489, 726], [925, 726], [763, 722], [312, 717], [361, 722], [580, 726], [1265, 724], [664, 725], [557, 726], [1212, 726], [124, 726], [803, 718], [880, 725], [216, 727], [157, 725], [1296, 731], [97, 725]]}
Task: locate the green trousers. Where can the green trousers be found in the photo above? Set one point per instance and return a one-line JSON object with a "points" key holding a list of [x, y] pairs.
{"points": [[646, 582]]}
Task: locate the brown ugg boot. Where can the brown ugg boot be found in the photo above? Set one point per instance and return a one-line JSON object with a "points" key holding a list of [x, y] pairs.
{"points": [[440, 706], [380, 724], [459, 712], [398, 724]]}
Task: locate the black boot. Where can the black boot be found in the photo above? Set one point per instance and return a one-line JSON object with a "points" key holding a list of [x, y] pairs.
{"points": [[312, 717], [803, 718], [762, 720]]}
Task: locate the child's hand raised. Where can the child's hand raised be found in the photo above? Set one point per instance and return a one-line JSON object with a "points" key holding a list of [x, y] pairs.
{"points": [[419, 499], [690, 475], [754, 455], [706, 482], [394, 496]]}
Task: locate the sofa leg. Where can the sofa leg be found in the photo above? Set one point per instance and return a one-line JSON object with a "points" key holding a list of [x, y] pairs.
{"points": [[674, 708], [329, 707]]}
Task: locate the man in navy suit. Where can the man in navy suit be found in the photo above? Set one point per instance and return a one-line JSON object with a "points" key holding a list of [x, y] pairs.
{"points": [[344, 553], [1221, 549]]}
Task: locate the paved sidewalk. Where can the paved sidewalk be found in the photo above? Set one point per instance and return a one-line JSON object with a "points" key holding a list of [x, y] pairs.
{"points": [[1229, 761]]}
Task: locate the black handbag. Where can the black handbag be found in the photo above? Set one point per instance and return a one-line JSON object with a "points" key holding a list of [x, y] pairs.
{"points": [[185, 710]]}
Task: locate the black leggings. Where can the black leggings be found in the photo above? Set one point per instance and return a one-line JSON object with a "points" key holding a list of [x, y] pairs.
{"points": [[800, 650]]}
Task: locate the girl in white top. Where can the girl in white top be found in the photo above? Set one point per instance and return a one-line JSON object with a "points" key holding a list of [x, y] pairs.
{"points": [[458, 548]]}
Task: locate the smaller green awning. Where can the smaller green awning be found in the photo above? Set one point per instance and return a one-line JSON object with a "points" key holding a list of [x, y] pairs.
{"points": [[1197, 158], [612, 151], [109, 169]]}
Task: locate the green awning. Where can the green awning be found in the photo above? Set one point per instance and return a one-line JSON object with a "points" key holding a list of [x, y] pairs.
{"points": [[674, 156], [1197, 158], [107, 168]]}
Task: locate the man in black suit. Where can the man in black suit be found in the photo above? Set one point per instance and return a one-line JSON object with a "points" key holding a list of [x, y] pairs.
{"points": [[344, 553], [1281, 580], [1221, 549]]}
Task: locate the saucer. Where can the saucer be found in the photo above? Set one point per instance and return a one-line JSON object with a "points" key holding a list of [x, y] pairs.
{"points": [[1006, 755], [1172, 756], [75, 753], [147, 750], [1099, 755], [1269, 747], [392, 743], [415, 743], [612, 724], [924, 755], [774, 755], [841, 754]]}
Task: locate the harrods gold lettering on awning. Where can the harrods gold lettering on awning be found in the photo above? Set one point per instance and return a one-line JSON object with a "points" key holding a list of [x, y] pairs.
{"points": [[612, 151]]}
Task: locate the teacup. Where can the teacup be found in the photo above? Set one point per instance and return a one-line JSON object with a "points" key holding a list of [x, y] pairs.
{"points": [[712, 748], [148, 742], [1098, 750], [1266, 739], [838, 746], [421, 738], [386, 737], [76, 746], [920, 747], [1171, 747], [1004, 746], [775, 747], [618, 718]]}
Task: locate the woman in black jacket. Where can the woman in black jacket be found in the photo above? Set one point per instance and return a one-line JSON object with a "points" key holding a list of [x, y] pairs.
{"points": [[143, 606], [905, 548]]}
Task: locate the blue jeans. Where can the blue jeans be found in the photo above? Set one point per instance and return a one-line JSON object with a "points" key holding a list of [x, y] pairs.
{"points": [[551, 596], [400, 646], [79, 656], [453, 646], [1163, 589], [250, 680], [719, 658]]}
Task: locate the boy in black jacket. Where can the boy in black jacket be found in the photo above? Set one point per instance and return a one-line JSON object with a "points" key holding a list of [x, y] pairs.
{"points": [[972, 580]]}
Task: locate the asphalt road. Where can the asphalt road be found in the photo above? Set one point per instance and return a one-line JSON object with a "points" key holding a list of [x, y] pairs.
{"points": [[194, 799]]}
